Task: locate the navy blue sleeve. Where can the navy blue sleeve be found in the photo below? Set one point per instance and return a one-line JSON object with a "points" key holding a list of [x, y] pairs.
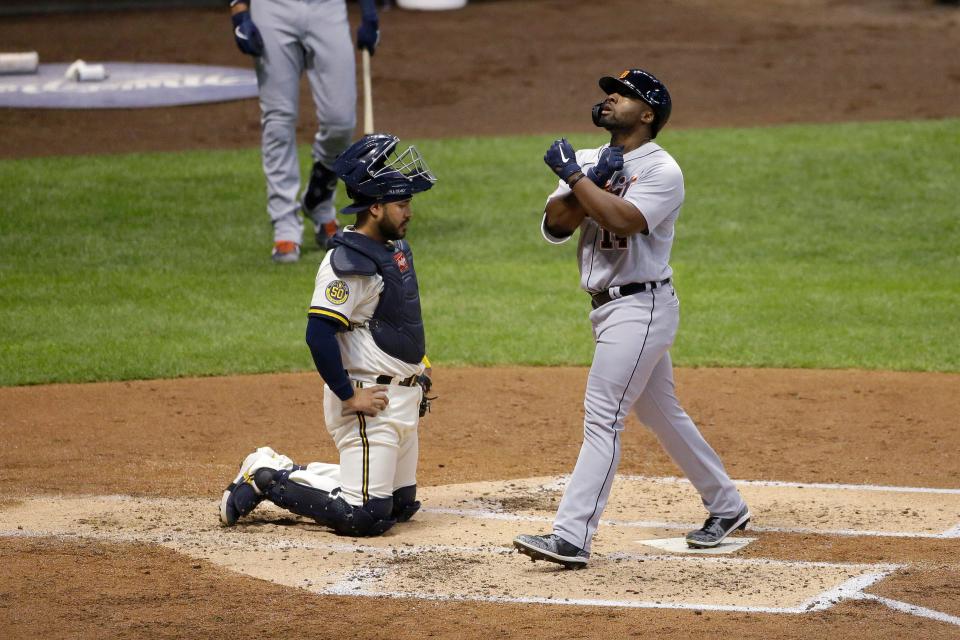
{"points": [[321, 338]]}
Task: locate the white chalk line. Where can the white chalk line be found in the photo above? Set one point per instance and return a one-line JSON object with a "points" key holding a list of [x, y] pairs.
{"points": [[485, 514], [357, 584], [906, 607], [795, 485]]}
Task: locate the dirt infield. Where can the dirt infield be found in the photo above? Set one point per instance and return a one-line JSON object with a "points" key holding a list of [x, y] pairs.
{"points": [[182, 440], [101, 566]]}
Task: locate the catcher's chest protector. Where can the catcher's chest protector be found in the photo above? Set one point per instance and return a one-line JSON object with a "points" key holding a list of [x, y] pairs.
{"points": [[397, 323]]}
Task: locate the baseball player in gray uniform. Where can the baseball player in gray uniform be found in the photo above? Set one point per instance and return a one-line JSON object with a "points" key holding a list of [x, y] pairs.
{"points": [[366, 335], [625, 198], [286, 38]]}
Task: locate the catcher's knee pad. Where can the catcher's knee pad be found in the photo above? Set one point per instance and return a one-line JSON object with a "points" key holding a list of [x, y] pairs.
{"points": [[372, 519], [405, 503]]}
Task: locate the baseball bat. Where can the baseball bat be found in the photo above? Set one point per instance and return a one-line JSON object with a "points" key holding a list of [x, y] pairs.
{"points": [[367, 95]]}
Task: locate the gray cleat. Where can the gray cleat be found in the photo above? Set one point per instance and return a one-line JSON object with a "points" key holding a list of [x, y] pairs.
{"points": [[551, 548], [715, 529]]}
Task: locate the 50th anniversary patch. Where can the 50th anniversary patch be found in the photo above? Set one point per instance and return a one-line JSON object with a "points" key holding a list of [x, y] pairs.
{"points": [[337, 292]]}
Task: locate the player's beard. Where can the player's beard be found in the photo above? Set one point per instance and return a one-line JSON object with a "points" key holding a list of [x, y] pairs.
{"points": [[390, 231]]}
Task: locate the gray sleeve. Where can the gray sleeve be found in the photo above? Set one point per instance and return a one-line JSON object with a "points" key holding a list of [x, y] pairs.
{"points": [[657, 193]]}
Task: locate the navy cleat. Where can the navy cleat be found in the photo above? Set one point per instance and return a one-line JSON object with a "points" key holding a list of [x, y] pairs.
{"points": [[243, 495], [715, 530], [551, 548]]}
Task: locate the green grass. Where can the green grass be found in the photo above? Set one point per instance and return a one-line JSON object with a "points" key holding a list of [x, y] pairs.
{"points": [[801, 246]]}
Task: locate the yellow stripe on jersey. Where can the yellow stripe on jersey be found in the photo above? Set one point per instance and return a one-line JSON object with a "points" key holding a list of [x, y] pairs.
{"points": [[339, 317], [365, 483]]}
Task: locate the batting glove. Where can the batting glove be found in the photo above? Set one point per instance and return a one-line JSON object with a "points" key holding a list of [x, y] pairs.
{"points": [[246, 34], [609, 162], [561, 159], [368, 33]]}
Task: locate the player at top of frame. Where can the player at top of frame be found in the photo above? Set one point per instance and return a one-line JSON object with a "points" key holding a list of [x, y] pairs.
{"points": [[286, 38]]}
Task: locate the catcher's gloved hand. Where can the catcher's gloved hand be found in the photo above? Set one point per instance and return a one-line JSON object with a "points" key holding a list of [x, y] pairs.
{"points": [[425, 383], [368, 33], [246, 34], [561, 159], [609, 162]]}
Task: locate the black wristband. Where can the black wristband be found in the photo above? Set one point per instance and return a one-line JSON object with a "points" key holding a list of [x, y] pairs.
{"points": [[577, 179]]}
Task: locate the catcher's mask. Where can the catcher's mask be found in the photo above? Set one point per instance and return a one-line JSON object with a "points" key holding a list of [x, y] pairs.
{"points": [[638, 83], [374, 172]]}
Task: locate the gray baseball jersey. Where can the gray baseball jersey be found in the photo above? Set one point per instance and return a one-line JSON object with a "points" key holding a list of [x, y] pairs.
{"points": [[631, 367], [651, 180]]}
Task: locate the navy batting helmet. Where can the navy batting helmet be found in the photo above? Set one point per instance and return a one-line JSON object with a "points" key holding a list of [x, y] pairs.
{"points": [[638, 83], [374, 172]]}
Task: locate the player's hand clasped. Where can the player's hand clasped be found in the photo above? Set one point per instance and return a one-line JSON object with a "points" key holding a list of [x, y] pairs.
{"points": [[369, 401], [562, 159], [609, 162], [246, 34]]}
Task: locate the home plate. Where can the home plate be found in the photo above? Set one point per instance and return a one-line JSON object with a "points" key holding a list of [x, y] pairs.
{"points": [[679, 545]]}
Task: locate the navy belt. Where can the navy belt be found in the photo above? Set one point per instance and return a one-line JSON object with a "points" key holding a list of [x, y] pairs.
{"points": [[614, 293], [405, 382]]}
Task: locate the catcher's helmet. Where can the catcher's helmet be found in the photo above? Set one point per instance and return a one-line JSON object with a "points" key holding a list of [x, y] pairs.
{"points": [[641, 84], [373, 172]]}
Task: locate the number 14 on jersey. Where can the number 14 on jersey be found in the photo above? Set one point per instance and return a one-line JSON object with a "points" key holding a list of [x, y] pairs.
{"points": [[611, 241]]}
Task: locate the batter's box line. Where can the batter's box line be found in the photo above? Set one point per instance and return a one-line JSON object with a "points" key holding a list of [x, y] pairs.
{"points": [[561, 482], [912, 609], [800, 485], [358, 584], [484, 514]]}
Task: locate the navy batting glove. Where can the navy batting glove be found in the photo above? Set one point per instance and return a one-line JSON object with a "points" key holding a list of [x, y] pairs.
{"points": [[561, 159], [609, 162], [246, 34], [368, 33]]}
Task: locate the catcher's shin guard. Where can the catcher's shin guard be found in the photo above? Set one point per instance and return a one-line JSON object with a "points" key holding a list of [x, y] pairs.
{"points": [[327, 508]]}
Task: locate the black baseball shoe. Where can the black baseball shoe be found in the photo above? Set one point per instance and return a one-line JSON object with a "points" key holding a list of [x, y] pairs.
{"points": [[244, 494], [715, 529], [551, 548], [324, 233]]}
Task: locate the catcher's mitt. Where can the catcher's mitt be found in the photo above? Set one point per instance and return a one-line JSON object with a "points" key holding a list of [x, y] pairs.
{"points": [[425, 383]]}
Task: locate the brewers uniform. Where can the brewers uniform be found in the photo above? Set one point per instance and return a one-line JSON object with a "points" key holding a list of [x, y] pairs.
{"points": [[378, 455], [366, 336], [635, 317]]}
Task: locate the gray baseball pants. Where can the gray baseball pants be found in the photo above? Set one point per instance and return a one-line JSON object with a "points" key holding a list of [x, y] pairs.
{"points": [[298, 36], [632, 369]]}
